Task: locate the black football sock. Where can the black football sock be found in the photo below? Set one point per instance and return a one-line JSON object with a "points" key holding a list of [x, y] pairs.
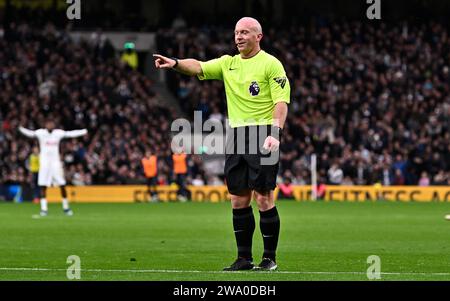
{"points": [[270, 230], [244, 226]]}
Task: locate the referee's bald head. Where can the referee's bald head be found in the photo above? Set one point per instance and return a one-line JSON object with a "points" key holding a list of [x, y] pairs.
{"points": [[251, 23], [247, 36]]}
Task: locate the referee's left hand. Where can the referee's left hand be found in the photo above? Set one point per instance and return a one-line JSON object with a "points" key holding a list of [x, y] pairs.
{"points": [[271, 144]]}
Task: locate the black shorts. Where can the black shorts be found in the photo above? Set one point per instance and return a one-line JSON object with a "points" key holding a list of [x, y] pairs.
{"points": [[247, 167]]}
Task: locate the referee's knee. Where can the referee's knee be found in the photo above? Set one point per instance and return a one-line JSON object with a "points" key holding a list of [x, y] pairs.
{"points": [[241, 200], [264, 200]]}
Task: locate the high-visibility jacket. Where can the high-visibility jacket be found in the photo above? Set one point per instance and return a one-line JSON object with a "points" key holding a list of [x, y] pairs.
{"points": [[179, 163], [34, 163], [150, 165], [131, 59]]}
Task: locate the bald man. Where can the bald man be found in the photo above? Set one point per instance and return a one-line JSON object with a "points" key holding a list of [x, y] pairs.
{"points": [[257, 92]]}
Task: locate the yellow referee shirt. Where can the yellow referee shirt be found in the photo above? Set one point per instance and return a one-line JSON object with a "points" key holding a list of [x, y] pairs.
{"points": [[252, 86]]}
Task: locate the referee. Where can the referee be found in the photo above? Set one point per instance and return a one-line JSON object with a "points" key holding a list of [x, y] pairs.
{"points": [[257, 92]]}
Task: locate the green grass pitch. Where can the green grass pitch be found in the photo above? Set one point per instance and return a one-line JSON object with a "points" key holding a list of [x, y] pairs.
{"points": [[194, 241]]}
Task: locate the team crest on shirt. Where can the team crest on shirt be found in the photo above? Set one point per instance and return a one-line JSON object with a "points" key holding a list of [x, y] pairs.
{"points": [[254, 88]]}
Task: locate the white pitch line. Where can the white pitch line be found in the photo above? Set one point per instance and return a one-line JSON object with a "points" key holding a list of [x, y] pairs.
{"points": [[221, 272]]}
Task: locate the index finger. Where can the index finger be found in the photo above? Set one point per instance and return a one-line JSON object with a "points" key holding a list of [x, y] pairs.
{"points": [[158, 56]]}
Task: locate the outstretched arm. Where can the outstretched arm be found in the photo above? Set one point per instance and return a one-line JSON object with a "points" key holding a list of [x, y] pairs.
{"points": [[27, 132], [75, 133], [187, 66]]}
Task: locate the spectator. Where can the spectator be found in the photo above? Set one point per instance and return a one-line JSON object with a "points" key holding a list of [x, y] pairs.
{"points": [[286, 190], [44, 71], [424, 179], [356, 97], [215, 181], [440, 178], [335, 175], [361, 94], [321, 189], [347, 181], [198, 181], [399, 179], [386, 175]]}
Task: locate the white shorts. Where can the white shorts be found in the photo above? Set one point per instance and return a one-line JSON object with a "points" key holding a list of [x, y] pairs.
{"points": [[51, 174]]}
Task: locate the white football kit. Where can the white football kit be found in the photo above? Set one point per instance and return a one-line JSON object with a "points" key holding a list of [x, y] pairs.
{"points": [[51, 169]]}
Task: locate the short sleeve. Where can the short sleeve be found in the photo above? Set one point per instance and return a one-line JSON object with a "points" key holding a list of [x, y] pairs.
{"points": [[280, 89], [212, 69]]}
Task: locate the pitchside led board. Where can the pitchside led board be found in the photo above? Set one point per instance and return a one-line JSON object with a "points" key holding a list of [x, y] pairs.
{"points": [[138, 193]]}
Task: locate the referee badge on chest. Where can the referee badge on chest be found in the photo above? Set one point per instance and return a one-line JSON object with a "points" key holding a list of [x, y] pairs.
{"points": [[254, 88]]}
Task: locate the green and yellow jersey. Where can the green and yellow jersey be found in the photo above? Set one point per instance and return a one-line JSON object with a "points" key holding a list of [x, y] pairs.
{"points": [[252, 86]]}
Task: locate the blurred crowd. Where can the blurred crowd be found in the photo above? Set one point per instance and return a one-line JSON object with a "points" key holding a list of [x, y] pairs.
{"points": [[370, 99], [45, 75]]}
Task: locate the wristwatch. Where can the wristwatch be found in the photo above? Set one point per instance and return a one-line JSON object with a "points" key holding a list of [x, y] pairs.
{"points": [[176, 62], [276, 132]]}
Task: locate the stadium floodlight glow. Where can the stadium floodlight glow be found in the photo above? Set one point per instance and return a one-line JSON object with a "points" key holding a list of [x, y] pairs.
{"points": [[129, 45]]}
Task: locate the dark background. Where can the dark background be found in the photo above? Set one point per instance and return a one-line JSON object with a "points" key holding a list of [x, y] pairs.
{"points": [[142, 15]]}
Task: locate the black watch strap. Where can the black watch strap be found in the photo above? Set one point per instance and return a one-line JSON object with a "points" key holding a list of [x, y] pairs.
{"points": [[176, 62], [276, 132]]}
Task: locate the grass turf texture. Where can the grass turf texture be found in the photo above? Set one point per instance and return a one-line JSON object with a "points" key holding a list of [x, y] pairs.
{"points": [[194, 241]]}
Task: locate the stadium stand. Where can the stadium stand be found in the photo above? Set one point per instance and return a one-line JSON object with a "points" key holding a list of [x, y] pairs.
{"points": [[46, 75], [372, 100]]}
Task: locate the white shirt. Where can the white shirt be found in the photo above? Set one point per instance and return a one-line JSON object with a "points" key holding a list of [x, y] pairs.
{"points": [[335, 175], [49, 141]]}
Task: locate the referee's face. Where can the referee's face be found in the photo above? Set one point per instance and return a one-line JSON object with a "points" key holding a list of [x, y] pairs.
{"points": [[246, 37]]}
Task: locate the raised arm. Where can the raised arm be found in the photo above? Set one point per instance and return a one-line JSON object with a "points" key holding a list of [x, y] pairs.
{"points": [[27, 132], [75, 133], [186, 66]]}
